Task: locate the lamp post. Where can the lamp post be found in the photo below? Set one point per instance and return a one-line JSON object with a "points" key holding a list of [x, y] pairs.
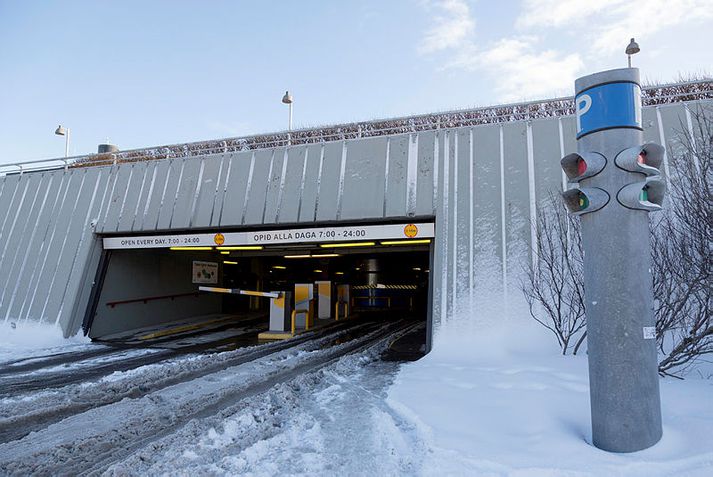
{"points": [[632, 49], [287, 99], [62, 131]]}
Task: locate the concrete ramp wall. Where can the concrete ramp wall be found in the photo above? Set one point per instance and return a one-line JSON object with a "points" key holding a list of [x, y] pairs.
{"points": [[480, 183]]}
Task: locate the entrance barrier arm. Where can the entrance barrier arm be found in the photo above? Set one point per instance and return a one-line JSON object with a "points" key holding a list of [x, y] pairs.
{"points": [[236, 291]]}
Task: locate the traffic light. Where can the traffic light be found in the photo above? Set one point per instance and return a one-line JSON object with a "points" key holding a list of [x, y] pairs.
{"points": [[582, 166], [585, 199], [647, 194], [645, 159], [577, 167]]}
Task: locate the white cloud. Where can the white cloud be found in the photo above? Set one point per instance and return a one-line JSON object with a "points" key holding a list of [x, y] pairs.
{"points": [[520, 71], [608, 24], [452, 28], [557, 13]]}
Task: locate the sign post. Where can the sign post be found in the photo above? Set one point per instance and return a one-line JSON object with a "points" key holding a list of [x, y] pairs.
{"points": [[616, 183]]}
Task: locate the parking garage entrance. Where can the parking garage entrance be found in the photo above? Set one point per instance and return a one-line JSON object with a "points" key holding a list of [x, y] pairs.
{"points": [[277, 281]]}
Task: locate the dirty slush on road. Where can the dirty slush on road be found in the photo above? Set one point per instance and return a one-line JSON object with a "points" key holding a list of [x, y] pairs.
{"points": [[316, 407]]}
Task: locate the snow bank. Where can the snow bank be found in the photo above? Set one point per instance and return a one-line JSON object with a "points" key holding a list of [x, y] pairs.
{"points": [[502, 401], [27, 338]]}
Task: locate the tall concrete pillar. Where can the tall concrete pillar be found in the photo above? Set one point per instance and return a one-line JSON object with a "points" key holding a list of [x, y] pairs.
{"points": [[613, 196]]}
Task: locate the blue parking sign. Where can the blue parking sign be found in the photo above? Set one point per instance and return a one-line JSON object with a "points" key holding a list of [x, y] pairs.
{"points": [[607, 106]]}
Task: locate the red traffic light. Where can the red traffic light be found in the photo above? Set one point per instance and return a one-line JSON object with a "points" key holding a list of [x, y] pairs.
{"points": [[645, 159], [582, 166]]}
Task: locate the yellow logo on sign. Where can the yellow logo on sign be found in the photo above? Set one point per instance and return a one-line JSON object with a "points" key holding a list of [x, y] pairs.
{"points": [[219, 239], [410, 231]]}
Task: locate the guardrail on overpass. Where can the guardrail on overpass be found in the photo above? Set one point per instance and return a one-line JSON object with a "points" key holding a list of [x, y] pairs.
{"points": [[557, 107]]}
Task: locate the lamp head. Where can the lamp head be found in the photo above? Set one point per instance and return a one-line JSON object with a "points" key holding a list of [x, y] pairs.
{"points": [[633, 48], [61, 130], [287, 98]]}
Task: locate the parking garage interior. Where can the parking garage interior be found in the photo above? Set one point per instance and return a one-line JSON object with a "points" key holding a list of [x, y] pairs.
{"points": [[145, 290]]}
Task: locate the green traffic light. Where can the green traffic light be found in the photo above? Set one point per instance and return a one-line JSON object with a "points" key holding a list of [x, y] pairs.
{"points": [[644, 194], [583, 201]]}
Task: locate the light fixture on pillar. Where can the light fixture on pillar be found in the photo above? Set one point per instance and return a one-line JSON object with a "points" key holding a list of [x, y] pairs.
{"points": [[287, 99], [632, 49], [62, 131]]}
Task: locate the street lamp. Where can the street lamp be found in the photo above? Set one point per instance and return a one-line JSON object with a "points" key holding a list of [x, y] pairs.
{"points": [[632, 49], [287, 99], [62, 131]]}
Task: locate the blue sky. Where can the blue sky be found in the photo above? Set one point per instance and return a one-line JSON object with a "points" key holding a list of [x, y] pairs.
{"points": [[142, 73]]}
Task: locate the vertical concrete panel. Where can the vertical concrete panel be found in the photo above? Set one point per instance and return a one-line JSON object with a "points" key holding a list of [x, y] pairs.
{"points": [[240, 166], [329, 182], [650, 125], [517, 199], [20, 269], [39, 281], [451, 156], [311, 183], [221, 189], [22, 203], [76, 272], [364, 179], [113, 173], [186, 194], [142, 205], [14, 245], [8, 190], [569, 134], [257, 195], [133, 194], [16, 197], [149, 217], [86, 286], [546, 150], [203, 209], [425, 203], [53, 247], [116, 200], [290, 196], [75, 228], [488, 252], [274, 186], [168, 194], [463, 202], [33, 251], [398, 176], [441, 239], [673, 117]]}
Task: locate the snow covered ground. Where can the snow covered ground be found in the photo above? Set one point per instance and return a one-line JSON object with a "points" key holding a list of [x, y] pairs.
{"points": [[503, 402], [25, 339], [494, 401]]}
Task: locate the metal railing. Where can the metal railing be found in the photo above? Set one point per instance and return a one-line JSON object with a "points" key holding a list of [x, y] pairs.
{"points": [[557, 107], [147, 299]]}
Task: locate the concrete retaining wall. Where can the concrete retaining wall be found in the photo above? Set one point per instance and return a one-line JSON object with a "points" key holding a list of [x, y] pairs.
{"points": [[481, 184]]}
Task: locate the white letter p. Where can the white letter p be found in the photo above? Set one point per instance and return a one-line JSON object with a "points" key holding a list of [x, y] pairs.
{"points": [[584, 102]]}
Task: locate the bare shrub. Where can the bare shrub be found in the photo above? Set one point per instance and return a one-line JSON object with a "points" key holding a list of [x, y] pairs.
{"points": [[682, 247], [682, 250], [553, 287]]}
